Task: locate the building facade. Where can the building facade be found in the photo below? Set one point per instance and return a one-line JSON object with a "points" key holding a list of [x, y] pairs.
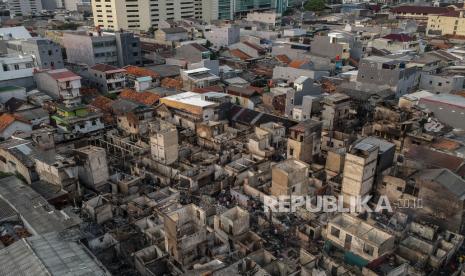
{"points": [[17, 70], [60, 84], [142, 15], [107, 78], [230, 9], [47, 54], [441, 83], [223, 36], [359, 171], [304, 141], [451, 23], [164, 143], [386, 71], [24, 7], [119, 49]]}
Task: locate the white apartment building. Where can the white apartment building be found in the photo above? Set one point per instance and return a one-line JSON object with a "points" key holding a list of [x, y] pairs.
{"points": [[24, 7], [270, 18], [142, 14], [60, 84], [17, 70], [223, 36]]}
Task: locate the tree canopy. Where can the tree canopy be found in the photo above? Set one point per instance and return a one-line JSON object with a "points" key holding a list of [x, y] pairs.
{"points": [[315, 5]]}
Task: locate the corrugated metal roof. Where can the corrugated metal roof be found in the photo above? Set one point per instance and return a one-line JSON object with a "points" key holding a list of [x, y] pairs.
{"points": [[38, 214], [447, 179], [19, 32], [47, 255], [5, 210], [18, 259], [381, 143]]}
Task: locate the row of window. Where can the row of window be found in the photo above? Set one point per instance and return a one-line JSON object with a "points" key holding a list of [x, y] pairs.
{"points": [[108, 54], [83, 126], [104, 44], [16, 67]]}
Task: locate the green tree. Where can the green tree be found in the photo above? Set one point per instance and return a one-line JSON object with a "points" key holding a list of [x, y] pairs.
{"points": [[151, 30], [315, 5]]}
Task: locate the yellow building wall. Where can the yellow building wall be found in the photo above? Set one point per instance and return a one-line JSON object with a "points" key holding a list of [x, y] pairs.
{"points": [[447, 25]]}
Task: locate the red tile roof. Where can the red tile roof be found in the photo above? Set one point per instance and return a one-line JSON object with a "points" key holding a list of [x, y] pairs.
{"points": [[214, 88], [199, 47], [451, 13], [374, 7], [89, 91], [171, 83], [141, 72], [153, 47], [254, 46], [239, 54], [297, 63], [399, 37], [435, 159], [107, 68], [419, 10], [245, 92], [283, 58], [102, 103], [440, 44], [446, 144], [7, 119], [63, 75], [259, 90], [146, 98]]}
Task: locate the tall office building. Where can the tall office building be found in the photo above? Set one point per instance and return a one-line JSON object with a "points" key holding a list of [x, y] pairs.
{"points": [[142, 14], [230, 9], [119, 49], [24, 7]]}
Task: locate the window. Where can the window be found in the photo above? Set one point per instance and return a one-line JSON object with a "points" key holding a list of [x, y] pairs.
{"points": [[348, 241], [399, 189], [16, 66], [368, 249], [291, 151], [49, 52], [335, 232]]}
